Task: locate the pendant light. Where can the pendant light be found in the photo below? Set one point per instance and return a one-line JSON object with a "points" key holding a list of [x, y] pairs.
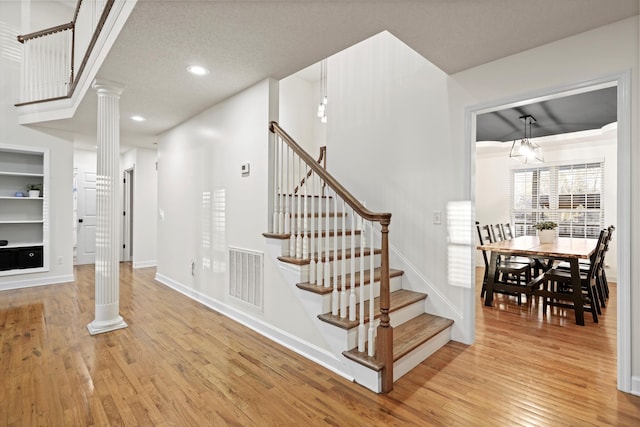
{"points": [[525, 150]]}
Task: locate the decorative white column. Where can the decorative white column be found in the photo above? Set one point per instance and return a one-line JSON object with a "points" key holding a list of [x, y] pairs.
{"points": [[107, 298]]}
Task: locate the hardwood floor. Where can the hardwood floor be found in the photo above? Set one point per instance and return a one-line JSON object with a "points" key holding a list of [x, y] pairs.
{"points": [[179, 363]]}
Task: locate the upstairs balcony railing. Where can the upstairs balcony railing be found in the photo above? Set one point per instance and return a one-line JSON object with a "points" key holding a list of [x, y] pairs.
{"points": [[55, 58]]}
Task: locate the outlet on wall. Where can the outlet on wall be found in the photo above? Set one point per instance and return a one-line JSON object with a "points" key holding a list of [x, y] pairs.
{"points": [[59, 260]]}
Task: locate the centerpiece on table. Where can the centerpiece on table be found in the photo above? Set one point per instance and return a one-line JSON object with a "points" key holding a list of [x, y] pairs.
{"points": [[546, 231]]}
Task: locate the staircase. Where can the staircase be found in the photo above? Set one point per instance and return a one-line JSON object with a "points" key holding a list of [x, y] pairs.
{"points": [[339, 253]]}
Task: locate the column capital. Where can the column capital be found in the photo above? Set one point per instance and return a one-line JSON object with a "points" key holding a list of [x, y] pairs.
{"points": [[107, 86]]}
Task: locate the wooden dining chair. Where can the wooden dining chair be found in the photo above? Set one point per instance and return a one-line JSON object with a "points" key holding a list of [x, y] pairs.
{"points": [[507, 232], [507, 271], [498, 233], [602, 287], [558, 291]]}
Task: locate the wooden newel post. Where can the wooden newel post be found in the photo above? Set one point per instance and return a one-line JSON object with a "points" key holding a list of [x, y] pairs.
{"points": [[384, 340]]}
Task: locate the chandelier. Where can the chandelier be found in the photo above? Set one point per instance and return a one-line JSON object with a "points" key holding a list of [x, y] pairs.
{"points": [[525, 150]]}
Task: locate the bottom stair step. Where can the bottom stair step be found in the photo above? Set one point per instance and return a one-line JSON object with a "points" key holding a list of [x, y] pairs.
{"points": [[406, 337]]}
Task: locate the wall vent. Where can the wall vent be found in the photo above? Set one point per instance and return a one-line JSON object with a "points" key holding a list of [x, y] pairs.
{"points": [[246, 276]]}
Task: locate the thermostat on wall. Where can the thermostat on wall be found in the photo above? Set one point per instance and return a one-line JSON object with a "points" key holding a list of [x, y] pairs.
{"points": [[244, 168]]}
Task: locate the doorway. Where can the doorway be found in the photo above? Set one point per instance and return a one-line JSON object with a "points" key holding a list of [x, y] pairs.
{"points": [[85, 193], [622, 81], [127, 215]]}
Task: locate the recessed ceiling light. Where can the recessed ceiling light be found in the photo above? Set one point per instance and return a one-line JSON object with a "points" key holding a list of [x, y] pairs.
{"points": [[197, 70], [138, 118]]}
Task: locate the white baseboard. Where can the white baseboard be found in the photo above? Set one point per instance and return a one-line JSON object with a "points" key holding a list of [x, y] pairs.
{"points": [[41, 281], [145, 264], [293, 343], [635, 386]]}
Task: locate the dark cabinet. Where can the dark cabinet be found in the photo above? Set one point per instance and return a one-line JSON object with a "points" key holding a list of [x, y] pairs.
{"points": [[21, 258]]}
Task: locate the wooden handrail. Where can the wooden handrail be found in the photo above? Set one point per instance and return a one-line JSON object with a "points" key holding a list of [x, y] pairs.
{"points": [[384, 340], [103, 18], [46, 32], [359, 208], [74, 77], [323, 150]]}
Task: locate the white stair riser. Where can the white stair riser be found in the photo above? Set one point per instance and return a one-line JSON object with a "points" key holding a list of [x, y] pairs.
{"points": [[336, 265], [417, 356], [316, 223], [395, 284], [311, 202], [331, 241]]}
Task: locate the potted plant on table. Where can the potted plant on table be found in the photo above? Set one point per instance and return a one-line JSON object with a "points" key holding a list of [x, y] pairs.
{"points": [[34, 190], [546, 231]]}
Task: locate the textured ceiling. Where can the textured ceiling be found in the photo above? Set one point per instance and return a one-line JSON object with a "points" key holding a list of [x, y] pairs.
{"points": [[244, 42]]}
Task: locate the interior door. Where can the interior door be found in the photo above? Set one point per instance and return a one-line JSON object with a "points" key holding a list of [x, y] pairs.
{"points": [[86, 226], [127, 217]]}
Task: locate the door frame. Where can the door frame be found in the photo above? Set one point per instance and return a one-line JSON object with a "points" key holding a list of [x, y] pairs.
{"points": [[623, 82], [128, 176]]}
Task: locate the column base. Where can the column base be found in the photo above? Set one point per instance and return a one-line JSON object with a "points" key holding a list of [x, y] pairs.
{"points": [[99, 327]]}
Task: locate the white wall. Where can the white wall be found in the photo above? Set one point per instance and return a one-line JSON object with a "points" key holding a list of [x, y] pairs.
{"points": [[60, 161], [391, 143], [299, 101], [493, 176], [200, 159], [145, 202], [610, 49]]}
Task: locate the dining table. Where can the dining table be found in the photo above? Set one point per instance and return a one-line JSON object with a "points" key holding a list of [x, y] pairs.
{"points": [[568, 249]]}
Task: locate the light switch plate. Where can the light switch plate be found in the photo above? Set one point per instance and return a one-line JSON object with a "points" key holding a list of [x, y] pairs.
{"points": [[437, 217]]}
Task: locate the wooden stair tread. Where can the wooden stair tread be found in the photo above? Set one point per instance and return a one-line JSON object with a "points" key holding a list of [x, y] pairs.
{"points": [[323, 290], [284, 236], [397, 300], [406, 338], [330, 256]]}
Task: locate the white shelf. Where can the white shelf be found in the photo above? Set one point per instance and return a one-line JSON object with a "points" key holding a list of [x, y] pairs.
{"points": [[24, 224], [20, 198], [34, 175], [22, 245], [23, 221]]}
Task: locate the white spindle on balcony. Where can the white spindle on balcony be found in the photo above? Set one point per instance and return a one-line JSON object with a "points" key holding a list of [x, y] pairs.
{"points": [[46, 72], [312, 231], [53, 58]]}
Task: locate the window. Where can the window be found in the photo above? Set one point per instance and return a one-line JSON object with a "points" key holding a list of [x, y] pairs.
{"points": [[570, 195]]}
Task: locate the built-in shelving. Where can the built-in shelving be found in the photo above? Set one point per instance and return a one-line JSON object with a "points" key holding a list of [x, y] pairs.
{"points": [[23, 219]]}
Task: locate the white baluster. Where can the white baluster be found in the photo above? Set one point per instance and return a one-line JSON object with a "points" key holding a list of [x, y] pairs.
{"points": [[335, 298], [361, 328], [281, 189], [343, 291], [298, 196], [372, 347], [305, 221], [291, 216], [321, 247], [276, 187], [327, 263], [312, 227], [352, 264]]}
